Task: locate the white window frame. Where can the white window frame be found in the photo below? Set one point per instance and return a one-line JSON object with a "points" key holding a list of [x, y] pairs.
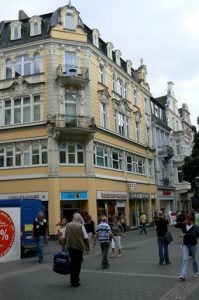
{"points": [[70, 23], [103, 114], [64, 148], [15, 28], [101, 74], [35, 21], [12, 109]]}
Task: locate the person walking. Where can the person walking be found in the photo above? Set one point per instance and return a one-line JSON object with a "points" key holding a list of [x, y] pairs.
{"points": [[39, 233], [162, 229], [76, 240], [117, 231], [189, 234], [143, 220], [104, 234], [90, 229]]}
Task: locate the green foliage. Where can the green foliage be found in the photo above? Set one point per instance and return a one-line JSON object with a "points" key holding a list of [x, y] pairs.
{"points": [[191, 163]]}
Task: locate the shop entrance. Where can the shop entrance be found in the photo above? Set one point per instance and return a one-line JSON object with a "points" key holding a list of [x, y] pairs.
{"points": [[68, 213]]}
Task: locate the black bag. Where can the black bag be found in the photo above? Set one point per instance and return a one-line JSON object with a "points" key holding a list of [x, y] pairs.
{"points": [[167, 238], [61, 263]]}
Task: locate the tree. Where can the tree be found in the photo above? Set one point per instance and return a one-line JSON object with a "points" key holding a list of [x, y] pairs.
{"points": [[191, 163]]}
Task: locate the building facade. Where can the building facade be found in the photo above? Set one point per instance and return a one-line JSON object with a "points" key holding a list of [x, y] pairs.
{"points": [[181, 142], [163, 158], [75, 120]]}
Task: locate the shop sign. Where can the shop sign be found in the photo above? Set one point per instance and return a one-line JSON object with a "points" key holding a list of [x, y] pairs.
{"points": [[111, 195], [73, 196], [138, 196], [33, 195], [167, 193]]}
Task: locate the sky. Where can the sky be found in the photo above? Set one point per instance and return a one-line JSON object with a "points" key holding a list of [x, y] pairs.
{"points": [[165, 33]]}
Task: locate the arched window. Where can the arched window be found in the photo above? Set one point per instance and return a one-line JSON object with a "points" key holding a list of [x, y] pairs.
{"points": [[16, 33]]}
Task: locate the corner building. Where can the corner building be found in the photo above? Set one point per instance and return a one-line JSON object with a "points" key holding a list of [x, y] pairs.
{"points": [[75, 120]]}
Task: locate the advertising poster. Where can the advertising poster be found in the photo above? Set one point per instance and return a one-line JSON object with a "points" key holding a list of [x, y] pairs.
{"points": [[10, 244]]}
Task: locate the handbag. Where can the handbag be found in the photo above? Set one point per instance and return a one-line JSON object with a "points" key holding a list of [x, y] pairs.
{"points": [[167, 238], [61, 263]]}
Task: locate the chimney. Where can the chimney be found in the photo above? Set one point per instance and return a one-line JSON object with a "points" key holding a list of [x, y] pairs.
{"points": [[22, 15]]}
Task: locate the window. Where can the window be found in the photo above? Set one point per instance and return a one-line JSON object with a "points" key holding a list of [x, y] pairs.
{"points": [[137, 128], [37, 64], [7, 110], [103, 112], [135, 164], [22, 110], [70, 59], [36, 108], [150, 167], [116, 160], [22, 66], [71, 153], [178, 147], [9, 68], [122, 124], [101, 74], [14, 156], [35, 26], [71, 101], [70, 21], [119, 88], [136, 97], [15, 30]]}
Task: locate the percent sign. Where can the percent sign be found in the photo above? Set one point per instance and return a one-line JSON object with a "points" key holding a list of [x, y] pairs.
{"points": [[4, 234]]}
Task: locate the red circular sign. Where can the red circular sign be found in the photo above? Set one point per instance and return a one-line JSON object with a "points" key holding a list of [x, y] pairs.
{"points": [[7, 232]]}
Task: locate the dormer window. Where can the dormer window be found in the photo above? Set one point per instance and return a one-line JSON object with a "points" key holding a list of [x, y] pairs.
{"points": [[35, 26], [117, 57], [15, 30], [96, 35], [110, 50], [128, 65], [70, 21]]}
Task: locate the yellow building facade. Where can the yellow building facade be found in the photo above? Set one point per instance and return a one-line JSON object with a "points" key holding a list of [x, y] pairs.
{"points": [[75, 121]]}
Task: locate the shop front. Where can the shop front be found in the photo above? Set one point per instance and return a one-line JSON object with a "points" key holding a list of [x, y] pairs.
{"points": [[71, 202], [167, 201], [111, 204], [138, 203]]}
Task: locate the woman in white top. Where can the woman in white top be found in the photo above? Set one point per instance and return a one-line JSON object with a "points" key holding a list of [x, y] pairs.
{"points": [[61, 233]]}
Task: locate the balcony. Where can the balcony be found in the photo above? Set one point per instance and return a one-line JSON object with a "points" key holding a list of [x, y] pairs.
{"points": [[72, 75], [166, 151], [72, 127]]}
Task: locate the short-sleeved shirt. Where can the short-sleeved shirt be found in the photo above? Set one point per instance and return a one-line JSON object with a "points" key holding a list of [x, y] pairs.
{"points": [[117, 229], [103, 230], [39, 227]]}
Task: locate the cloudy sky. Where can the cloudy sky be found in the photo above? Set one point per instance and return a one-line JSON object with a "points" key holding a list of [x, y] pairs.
{"points": [[165, 33]]}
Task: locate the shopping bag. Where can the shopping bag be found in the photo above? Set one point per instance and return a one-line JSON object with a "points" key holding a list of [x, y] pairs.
{"points": [[61, 263], [167, 238]]}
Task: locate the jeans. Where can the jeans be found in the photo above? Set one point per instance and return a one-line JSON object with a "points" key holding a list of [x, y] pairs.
{"points": [[76, 257], [105, 249], [40, 246], [143, 228], [163, 250], [185, 261]]}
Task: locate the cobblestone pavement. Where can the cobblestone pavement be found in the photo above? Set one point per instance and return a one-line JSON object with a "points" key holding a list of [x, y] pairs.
{"points": [[134, 276]]}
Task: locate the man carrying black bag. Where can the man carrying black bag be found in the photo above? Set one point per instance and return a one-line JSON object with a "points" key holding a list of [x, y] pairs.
{"points": [[76, 240], [162, 230]]}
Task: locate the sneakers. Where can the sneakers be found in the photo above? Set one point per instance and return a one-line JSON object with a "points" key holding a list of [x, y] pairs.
{"points": [[112, 256], [182, 278], [167, 263], [195, 275], [119, 255]]}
